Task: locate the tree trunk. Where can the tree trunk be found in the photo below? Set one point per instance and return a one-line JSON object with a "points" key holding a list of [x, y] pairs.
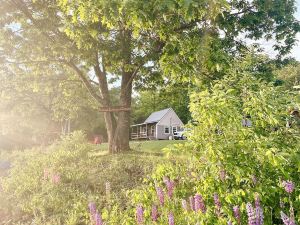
{"points": [[118, 136], [118, 132]]}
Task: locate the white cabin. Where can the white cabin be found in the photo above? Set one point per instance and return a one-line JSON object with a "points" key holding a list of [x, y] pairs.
{"points": [[160, 125]]}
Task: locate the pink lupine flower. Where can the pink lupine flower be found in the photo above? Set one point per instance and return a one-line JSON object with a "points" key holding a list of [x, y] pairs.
{"points": [[184, 205], [258, 212], [171, 219], [287, 220], [192, 203], [139, 215], [154, 213], [160, 195], [170, 186], [98, 219], [251, 214], [217, 204], [288, 186], [237, 215], [199, 204], [55, 178], [92, 208]]}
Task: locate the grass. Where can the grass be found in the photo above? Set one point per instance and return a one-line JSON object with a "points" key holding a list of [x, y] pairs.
{"points": [[152, 146]]}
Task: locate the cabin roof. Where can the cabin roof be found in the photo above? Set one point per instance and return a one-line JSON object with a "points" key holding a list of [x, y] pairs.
{"points": [[157, 116]]}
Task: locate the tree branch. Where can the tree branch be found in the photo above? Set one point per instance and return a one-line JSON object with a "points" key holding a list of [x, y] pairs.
{"points": [[85, 81]]}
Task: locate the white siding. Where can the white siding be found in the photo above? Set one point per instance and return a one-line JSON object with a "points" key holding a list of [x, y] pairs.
{"points": [[170, 119]]}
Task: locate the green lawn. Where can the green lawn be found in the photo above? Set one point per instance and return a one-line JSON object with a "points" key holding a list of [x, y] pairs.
{"points": [[146, 146]]}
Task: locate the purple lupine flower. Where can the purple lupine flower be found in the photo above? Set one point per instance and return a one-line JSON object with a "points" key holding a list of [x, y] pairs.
{"points": [[160, 195], [258, 211], [171, 219], [184, 204], [229, 222], [288, 186], [236, 213], [286, 220], [254, 179], [139, 215], [199, 203], [92, 208], [154, 213], [192, 203], [222, 175], [217, 204], [98, 219], [251, 214], [170, 188]]}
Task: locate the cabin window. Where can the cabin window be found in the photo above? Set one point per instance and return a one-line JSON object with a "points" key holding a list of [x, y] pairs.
{"points": [[174, 129], [167, 130]]}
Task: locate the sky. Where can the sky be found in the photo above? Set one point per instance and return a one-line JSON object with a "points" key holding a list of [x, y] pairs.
{"points": [[268, 45], [296, 51]]}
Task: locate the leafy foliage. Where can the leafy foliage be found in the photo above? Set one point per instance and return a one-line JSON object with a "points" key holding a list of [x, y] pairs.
{"points": [[236, 162], [30, 195]]}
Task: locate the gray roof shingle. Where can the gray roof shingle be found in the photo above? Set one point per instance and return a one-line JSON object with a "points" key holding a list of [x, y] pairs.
{"points": [[157, 116]]}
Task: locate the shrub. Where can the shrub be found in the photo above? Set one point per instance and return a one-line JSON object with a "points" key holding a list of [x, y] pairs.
{"points": [[55, 185], [235, 173]]}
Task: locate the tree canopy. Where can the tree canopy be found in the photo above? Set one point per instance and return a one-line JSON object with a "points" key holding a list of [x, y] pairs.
{"points": [[136, 40]]}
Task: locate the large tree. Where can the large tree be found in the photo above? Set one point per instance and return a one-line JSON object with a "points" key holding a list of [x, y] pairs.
{"points": [[131, 40]]}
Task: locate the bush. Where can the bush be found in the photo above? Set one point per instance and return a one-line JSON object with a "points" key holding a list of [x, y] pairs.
{"points": [[238, 173], [55, 185]]}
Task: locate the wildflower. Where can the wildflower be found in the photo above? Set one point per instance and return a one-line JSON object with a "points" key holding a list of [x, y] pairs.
{"points": [[170, 186], [217, 204], [199, 204], [192, 203], [222, 175], [160, 195], [229, 222], [288, 186], [236, 212], [251, 214], [254, 179], [154, 213], [98, 219], [55, 178], [258, 212], [287, 220], [92, 207], [140, 214], [171, 219], [184, 204]]}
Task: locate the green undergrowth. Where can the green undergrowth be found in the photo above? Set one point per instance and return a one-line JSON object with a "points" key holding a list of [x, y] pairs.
{"points": [[28, 196]]}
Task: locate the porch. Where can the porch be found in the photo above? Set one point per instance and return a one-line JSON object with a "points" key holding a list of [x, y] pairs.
{"points": [[143, 131]]}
